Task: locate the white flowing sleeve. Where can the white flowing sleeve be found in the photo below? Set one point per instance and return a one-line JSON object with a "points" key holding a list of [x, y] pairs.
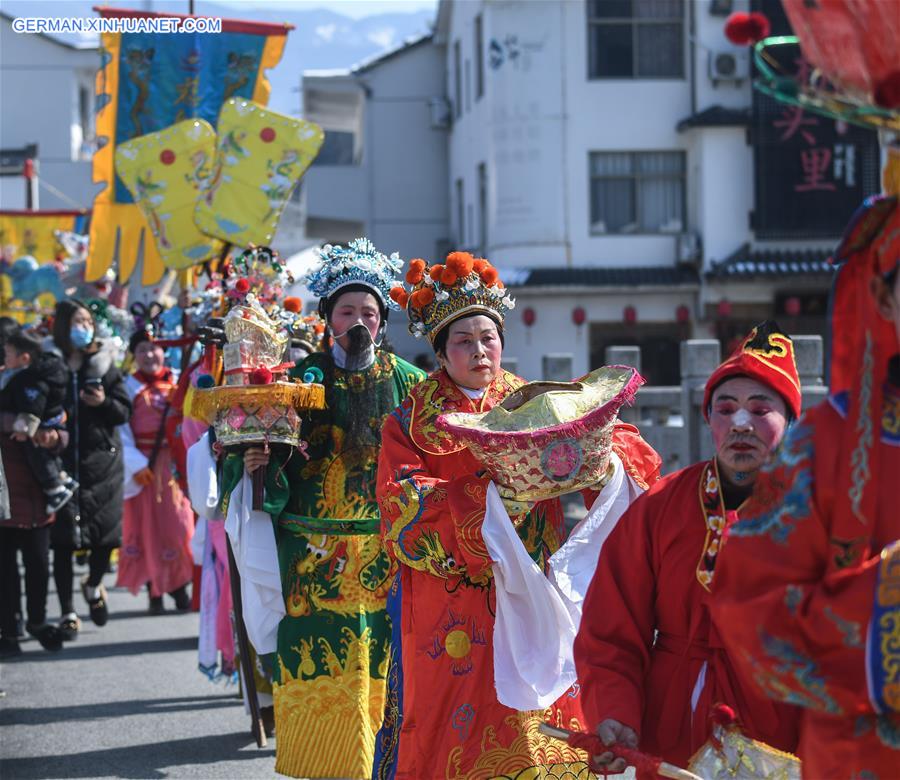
{"points": [[253, 541], [134, 461]]}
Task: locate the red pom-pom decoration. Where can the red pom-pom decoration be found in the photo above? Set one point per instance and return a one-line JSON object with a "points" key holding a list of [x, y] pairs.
{"points": [[479, 264], [417, 263], [461, 263], [759, 27], [448, 278], [260, 376], [293, 304], [887, 91], [743, 29], [435, 272], [242, 286], [421, 298], [400, 296], [490, 276], [414, 276], [737, 28]]}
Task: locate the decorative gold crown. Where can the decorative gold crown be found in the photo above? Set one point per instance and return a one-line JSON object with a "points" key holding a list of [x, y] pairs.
{"points": [[440, 294]]}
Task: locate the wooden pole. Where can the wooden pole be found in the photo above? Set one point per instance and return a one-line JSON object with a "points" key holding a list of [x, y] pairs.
{"points": [[256, 724]]}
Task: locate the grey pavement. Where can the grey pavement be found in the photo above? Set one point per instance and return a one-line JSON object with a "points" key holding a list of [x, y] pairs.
{"points": [[124, 701]]}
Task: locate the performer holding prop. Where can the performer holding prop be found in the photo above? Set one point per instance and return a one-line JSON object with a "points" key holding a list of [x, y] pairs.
{"points": [[332, 644], [808, 598], [460, 541], [650, 663]]}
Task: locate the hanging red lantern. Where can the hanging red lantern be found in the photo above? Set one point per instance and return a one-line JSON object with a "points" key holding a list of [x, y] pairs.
{"points": [[792, 306], [683, 314], [529, 316], [629, 315], [579, 315], [723, 309]]}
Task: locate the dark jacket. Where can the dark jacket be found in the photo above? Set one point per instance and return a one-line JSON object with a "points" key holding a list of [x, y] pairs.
{"points": [[39, 390], [27, 502], [93, 518]]}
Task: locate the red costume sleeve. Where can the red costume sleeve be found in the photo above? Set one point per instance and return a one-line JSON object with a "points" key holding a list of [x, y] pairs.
{"points": [[418, 522], [791, 605], [612, 649], [642, 462]]}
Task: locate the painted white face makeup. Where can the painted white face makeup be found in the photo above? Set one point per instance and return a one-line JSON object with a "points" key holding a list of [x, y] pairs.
{"points": [[741, 418]]}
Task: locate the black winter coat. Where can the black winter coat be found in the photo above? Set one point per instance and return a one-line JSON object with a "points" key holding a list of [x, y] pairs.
{"points": [[39, 390], [93, 518]]}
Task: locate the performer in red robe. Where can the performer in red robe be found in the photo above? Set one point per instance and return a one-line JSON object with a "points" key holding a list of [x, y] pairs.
{"points": [[649, 661], [808, 596], [443, 718]]}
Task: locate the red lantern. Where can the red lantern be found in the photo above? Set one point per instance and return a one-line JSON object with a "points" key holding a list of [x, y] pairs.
{"points": [[792, 306], [529, 315], [683, 314], [629, 315], [28, 168], [579, 315], [724, 309]]}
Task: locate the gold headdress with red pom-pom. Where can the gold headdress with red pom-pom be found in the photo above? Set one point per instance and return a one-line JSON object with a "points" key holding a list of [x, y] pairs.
{"points": [[441, 293]]}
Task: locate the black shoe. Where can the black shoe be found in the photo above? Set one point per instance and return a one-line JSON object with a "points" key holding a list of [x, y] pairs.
{"points": [[182, 599], [98, 606], [9, 647], [48, 635], [156, 606], [58, 499], [69, 625]]}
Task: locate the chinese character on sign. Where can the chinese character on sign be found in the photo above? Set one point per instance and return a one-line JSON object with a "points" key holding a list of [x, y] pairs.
{"points": [[793, 121], [815, 163]]}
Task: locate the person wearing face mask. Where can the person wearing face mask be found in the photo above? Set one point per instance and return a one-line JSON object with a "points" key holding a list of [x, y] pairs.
{"points": [[443, 716], [809, 596], [651, 664], [158, 521], [332, 644], [96, 404]]}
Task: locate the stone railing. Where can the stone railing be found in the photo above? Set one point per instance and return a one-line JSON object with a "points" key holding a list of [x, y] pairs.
{"points": [[670, 418]]}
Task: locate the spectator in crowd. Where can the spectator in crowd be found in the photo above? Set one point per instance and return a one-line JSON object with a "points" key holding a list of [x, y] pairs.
{"points": [[96, 403]]}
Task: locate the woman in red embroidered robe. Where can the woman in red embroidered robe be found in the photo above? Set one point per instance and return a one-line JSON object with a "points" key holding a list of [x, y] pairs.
{"points": [[650, 664], [158, 522], [809, 596], [443, 718]]}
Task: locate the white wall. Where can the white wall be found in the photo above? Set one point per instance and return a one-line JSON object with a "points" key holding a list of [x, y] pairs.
{"points": [[39, 82]]}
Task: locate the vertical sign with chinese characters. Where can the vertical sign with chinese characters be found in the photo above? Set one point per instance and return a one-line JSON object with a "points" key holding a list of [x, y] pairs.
{"points": [[811, 172]]}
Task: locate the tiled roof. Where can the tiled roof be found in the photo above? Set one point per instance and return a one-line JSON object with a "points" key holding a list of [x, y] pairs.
{"points": [[747, 264], [716, 116], [658, 276]]}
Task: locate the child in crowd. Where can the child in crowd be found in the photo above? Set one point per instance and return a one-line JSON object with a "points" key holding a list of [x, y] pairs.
{"points": [[33, 386]]}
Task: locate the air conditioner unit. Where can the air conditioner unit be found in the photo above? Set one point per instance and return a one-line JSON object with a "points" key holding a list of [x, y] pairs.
{"points": [[441, 116], [729, 65], [687, 248]]}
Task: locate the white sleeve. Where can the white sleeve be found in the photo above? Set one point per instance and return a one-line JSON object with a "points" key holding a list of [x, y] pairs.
{"points": [[252, 538], [202, 478], [134, 459]]}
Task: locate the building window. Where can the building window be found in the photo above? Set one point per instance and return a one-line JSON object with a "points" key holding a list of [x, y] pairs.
{"points": [[457, 80], [479, 58], [460, 215], [337, 149], [482, 208], [637, 192], [635, 39]]}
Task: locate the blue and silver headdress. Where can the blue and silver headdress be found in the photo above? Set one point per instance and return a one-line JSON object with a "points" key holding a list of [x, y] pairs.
{"points": [[358, 263]]}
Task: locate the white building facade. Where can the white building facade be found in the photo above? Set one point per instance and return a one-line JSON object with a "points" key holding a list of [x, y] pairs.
{"points": [[603, 149], [47, 89]]}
